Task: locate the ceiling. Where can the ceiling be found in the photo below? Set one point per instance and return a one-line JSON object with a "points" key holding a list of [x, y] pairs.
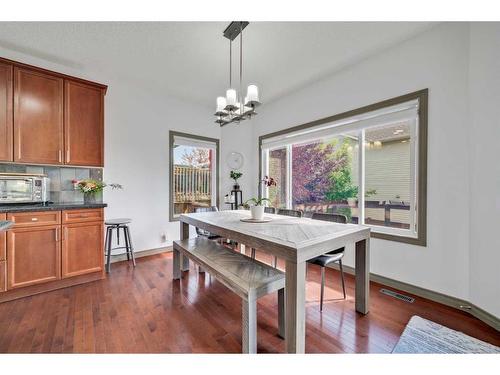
{"points": [[189, 60]]}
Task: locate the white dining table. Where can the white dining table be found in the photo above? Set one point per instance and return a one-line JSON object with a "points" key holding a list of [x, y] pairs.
{"points": [[295, 240]]}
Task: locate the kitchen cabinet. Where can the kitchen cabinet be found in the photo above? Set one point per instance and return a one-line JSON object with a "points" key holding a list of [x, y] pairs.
{"points": [[3, 240], [33, 255], [83, 124], [31, 219], [38, 117], [50, 118], [6, 124], [52, 249], [82, 248], [3, 276]]}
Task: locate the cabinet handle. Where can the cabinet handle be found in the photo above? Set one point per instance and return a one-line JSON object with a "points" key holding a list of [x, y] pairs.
{"points": [[67, 155], [60, 156], [34, 219], [57, 234]]}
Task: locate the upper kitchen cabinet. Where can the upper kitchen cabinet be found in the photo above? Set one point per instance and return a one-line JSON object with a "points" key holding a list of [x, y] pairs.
{"points": [[83, 124], [6, 112], [38, 117]]}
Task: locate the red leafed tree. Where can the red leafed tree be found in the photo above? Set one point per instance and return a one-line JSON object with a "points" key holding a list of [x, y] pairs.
{"points": [[196, 157], [312, 167]]}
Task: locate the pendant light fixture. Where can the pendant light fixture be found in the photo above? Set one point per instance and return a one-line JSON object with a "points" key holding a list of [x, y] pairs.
{"points": [[234, 107]]}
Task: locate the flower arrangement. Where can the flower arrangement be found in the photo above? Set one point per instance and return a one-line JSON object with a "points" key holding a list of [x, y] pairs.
{"points": [[268, 181], [88, 186]]}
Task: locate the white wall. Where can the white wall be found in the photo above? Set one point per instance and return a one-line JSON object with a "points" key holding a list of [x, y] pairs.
{"points": [[137, 156], [438, 60], [484, 81], [238, 137]]}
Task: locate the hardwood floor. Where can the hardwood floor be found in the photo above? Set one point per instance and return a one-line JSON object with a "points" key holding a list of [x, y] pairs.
{"points": [[142, 310]]}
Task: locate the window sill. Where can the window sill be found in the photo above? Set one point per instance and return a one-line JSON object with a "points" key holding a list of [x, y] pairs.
{"points": [[419, 241]]}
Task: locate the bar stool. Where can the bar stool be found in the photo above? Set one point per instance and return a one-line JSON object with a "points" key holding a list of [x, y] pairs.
{"points": [[118, 224]]}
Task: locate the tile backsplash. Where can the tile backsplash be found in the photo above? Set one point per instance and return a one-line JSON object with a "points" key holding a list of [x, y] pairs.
{"points": [[61, 188]]}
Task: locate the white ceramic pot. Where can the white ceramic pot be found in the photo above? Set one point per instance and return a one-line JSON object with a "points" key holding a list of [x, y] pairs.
{"points": [[257, 212]]}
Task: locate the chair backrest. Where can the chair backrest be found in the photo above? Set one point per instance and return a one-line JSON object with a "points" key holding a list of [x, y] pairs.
{"points": [[202, 232], [206, 209], [287, 212], [269, 210], [337, 218]]}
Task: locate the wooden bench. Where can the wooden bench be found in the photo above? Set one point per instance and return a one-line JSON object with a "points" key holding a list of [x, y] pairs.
{"points": [[246, 277]]}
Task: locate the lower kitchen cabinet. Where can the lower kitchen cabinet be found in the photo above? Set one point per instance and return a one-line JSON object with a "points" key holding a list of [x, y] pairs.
{"points": [[82, 248], [33, 256], [3, 276]]}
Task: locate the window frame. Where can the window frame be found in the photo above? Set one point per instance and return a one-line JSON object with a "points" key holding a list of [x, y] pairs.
{"points": [[420, 154], [216, 141]]}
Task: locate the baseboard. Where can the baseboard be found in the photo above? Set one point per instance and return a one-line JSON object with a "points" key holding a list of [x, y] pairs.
{"points": [[140, 254], [444, 299]]}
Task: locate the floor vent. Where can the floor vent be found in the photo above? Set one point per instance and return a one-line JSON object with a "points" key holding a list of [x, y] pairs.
{"points": [[400, 296]]}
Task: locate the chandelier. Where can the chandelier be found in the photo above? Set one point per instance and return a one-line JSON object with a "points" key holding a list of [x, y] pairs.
{"points": [[234, 107]]}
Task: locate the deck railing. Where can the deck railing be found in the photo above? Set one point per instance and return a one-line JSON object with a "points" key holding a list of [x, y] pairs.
{"points": [[191, 184]]}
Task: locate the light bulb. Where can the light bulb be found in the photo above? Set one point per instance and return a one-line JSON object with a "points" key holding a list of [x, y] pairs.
{"points": [[231, 97], [253, 93]]}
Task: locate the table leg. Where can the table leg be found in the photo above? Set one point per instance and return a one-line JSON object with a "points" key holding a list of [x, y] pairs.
{"points": [[184, 236], [176, 264], [362, 272], [295, 319]]}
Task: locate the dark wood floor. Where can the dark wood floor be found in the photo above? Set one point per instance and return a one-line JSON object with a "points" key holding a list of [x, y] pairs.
{"points": [[143, 310]]}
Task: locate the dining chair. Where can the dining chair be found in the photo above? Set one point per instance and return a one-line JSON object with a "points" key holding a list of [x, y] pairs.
{"points": [[334, 256], [267, 210], [286, 212], [204, 233]]}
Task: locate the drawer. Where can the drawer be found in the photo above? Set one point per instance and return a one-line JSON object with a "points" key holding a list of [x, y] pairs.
{"points": [[3, 276], [32, 219], [3, 240], [81, 216]]}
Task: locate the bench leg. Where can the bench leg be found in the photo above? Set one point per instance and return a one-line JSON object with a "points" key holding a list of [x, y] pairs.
{"points": [[176, 269], [281, 313], [184, 234], [249, 326]]}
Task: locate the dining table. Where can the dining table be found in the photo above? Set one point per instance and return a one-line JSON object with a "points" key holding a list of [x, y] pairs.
{"points": [[295, 240]]}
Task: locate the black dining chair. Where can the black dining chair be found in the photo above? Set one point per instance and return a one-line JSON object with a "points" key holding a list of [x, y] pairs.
{"points": [[334, 256], [269, 210], [286, 212], [204, 233]]}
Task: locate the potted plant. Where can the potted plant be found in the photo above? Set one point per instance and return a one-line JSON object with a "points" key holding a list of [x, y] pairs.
{"points": [[257, 209], [236, 175], [92, 189]]}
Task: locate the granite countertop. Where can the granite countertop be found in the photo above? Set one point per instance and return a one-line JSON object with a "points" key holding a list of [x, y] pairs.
{"points": [[49, 207], [5, 224]]}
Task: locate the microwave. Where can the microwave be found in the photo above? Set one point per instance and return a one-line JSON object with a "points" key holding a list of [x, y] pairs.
{"points": [[24, 188]]}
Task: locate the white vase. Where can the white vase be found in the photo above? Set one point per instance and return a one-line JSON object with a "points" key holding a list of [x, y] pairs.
{"points": [[257, 212]]}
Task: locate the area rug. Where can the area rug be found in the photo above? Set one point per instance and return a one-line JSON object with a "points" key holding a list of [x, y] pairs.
{"points": [[426, 337]]}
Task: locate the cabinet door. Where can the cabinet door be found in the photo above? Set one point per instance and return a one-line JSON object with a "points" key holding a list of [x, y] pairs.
{"points": [[38, 117], [84, 124], [82, 248], [6, 124], [3, 240], [33, 256]]}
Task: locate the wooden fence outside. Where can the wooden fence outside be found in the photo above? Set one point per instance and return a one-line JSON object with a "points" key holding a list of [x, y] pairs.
{"points": [[192, 184]]}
